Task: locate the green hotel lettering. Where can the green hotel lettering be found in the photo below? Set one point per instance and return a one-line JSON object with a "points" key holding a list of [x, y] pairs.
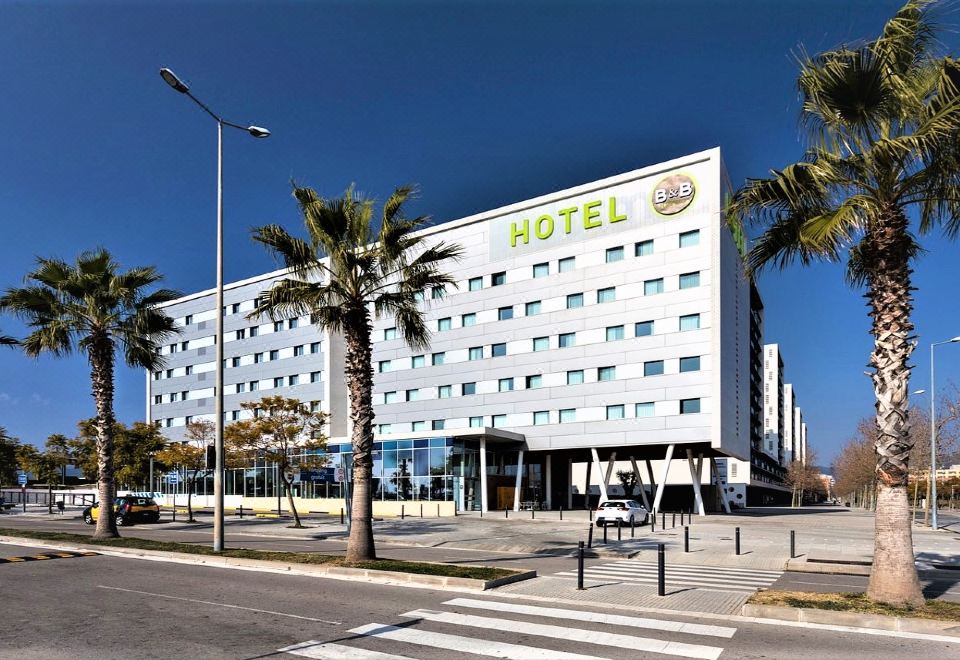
{"points": [[544, 225]]}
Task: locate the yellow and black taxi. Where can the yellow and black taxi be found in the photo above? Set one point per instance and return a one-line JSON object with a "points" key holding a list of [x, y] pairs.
{"points": [[129, 510]]}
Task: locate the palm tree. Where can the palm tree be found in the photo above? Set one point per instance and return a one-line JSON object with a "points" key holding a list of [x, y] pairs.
{"points": [[7, 341], [94, 308], [883, 120], [344, 273]]}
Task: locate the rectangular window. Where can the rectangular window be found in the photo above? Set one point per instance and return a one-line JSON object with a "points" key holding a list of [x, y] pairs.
{"points": [[444, 324], [437, 292], [606, 295], [274, 355], [690, 364], [644, 409], [643, 329], [498, 279], [498, 350], [438, 358], [241, 334], [605, 374], [254, 385], [293, 323], [235, 362], [541, 344], [568, 415], [689, 406], [277, 326], [653, 368], [314, 376], [504, 313], [298, 350], [689, 280], [174, 397], [235, 308], [614, 254], [575, 377], [541, 417], [689, 322], [653, 287], [413, 395], [476, 422], [314, 407], [498, 421], [240, 388], [615, 333], [156, 375], [505, 385], [468, 320], [189, 370], [437, 424], [157, 399], [535, 381], [690, 238], [532, 308], [643, 249], [469, 388], [255, 331], [418, 361], [615, 412], [444, 391], [419, 296], [566, 265], [475, 283], [568, 339], [574, 300], [384, 428], [293, 380], [389, 333], [188, 319], [278, 382], [315, 348], [418, 426], [384, 366], [185, 345], [541, 270], [475, 353]]}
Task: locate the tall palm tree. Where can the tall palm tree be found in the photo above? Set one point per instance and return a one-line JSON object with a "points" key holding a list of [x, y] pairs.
{"points": [[344, 273], [883, 122], [92, 307]]}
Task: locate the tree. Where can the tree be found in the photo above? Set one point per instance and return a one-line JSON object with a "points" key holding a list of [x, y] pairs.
{"points": [[342, 274], [802, 476], [58, 446], [93, 307], [8, 341], [43, 465], [8, 457], [280, 430], [191, 455], [883, 120], [628, 481]]}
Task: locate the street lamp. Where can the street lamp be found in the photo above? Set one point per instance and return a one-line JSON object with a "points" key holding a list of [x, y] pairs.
{"points": [[933, 434], [258, 132]]}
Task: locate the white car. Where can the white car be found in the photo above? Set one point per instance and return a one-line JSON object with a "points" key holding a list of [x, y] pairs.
{"points": [[622, 512]]}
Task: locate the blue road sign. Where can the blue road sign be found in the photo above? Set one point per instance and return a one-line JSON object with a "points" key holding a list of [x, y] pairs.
{"points": [[22, 479], [321, 475], [173, 478]]}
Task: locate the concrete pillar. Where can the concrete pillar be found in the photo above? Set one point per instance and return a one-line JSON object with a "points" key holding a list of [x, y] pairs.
{"points": [[519, 482], [609, 473], [600, 473], [695, 482], [663, 477], [548, 501], [643, 490], [721, 491], [569, 483], [483, 475]]}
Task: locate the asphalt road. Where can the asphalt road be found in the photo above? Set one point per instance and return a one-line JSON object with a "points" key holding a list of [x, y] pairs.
{"points": [[108, 607]]}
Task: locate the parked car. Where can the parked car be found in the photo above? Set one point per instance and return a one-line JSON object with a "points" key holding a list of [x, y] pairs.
{"points": [[129, 510], [621, 512]]}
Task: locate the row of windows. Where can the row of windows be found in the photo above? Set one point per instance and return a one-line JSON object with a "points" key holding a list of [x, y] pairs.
{"points": [[241, 388], [242, 333], [258, 358]]}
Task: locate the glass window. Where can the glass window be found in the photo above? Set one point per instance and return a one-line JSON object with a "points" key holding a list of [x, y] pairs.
{"points": [[690, 363], [498, 350], [567, 264], [689, 322], [254, 331], [157, 398], [277, 326], [505, 385], [615, 333], [257, 358], [541, 344], [653, 287], [535, 381], [575, 377], [574, 300], [293, 323], [644, 409], [504, 313], [653, 368], [444, 391], [241, 388], [444, 324], [690, 238], [615, 412], [614, 254], [298, 350], [188, 370], [417, 361], [541, 417], [469, 388], [389, 333], [468, 320], [188, 319], [643, 329], [568, 339], [241, 334], [274, 355], [498, 421], [391, 397], [278, 382], [437, 424], [418, 426], [438, 358], [606, 373], [475, 283], [293, 380], [413, 395], [541, 270], [254, 385], [532, 308], [315, 347], [689, 280], [475, 353], [235, 362], [476, 422], [643, 248], [568, 415], [385, 428], [498, 279], [437, 292], [606, 295], [418, 296], [384, 366], [314, 376], [689, 406]]}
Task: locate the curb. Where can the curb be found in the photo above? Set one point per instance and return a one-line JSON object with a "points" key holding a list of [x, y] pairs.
{"points": [[854, 619], [802, 565], [291, 568]]}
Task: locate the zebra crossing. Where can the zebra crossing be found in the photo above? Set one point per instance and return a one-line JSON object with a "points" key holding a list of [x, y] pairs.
{"points": [[681, 575], [517, 630]]}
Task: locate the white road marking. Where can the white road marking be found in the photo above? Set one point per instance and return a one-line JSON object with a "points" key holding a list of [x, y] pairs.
{"points": [[465, 644], [327, 651], [607, 576], [766, 579], [572, 634], [721, 570], [596, 617], [233, 607], [683, 576]]}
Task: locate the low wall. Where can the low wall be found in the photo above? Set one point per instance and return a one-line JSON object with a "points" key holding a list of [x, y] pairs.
{"points": [[331, 505]]}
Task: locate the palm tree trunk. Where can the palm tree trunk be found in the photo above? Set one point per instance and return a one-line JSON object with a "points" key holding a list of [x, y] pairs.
{"points": [[101, 377], [893, 579], [359, 372], [49, 497], [289, 490]]}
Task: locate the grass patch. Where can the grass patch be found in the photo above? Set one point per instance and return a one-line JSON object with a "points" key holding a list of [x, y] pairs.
{"points": [[846, 602], [420, 568]]}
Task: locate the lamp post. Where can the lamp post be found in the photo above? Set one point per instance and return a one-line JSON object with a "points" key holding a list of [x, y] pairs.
{"points": [[933, 434], [258, 132]]}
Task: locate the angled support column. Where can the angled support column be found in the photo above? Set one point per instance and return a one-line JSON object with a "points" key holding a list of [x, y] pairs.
{"points": [[519, 482], [643, 490], [548, 500], [721, 490], [483, 475], [609, 472], [695, 481], [663, 477], [600, 473]]}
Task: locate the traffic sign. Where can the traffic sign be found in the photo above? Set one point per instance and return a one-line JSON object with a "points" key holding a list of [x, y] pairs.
{"points": [[173, 478], [322, 475], [22, 478], [340, 475]]}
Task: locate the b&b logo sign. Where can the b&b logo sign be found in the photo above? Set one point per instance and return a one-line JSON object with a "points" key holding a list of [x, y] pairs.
{"points": [[673, 194]]}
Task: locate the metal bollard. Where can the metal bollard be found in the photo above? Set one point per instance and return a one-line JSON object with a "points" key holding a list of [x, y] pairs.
{"points": [[531, 514], [663, 520], [341, 515], [590, 536], [674, 523], [653, 522], [619, 528], [604, 533], [580, 567], [561, 513], [403, 511], [454, 509], [421, 509], [506, 513], [737, 548], [793, 544], [686, 539], [633, 527], [174, 511], [241, 512], [591, 514], [661, 586]]}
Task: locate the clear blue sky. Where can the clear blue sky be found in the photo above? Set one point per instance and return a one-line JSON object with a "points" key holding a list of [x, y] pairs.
{"points": [[481, 103]]}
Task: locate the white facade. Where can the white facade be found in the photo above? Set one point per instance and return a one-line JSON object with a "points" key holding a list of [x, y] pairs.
{"points": [[774, 394]]}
